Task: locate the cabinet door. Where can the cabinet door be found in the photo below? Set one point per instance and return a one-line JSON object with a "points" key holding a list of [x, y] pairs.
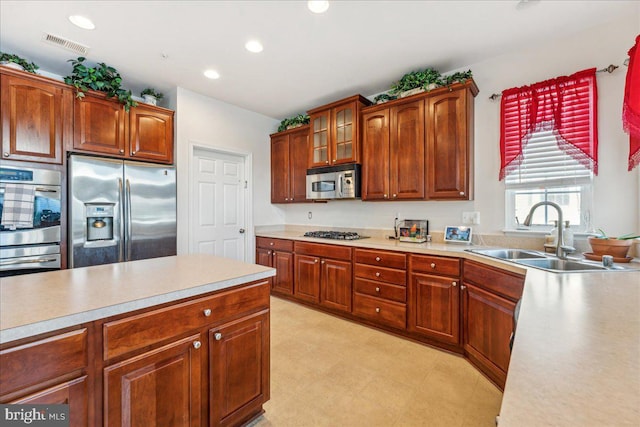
{"points": [[488, 324], [335, 284], [448, 156], [74, 393], [375, 151], [283, 263], [239, 369], [307, 278], [344, 134], [151, 134], [319, 134], [264, 257], [100, 126], [406, 141], [35, 119], [280, 169], [159, 388], [298, 152], [434, 307]]}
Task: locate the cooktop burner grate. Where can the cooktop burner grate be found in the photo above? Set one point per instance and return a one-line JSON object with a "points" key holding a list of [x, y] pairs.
{"points": [[336, 235]]}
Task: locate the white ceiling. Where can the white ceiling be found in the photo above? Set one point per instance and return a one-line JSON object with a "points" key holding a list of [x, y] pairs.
{"points": [[308, 59]]}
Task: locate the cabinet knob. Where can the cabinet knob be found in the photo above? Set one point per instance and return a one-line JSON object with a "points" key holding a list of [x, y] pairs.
{"points": [[395, 195], [197, 344], [463, 287], [334, 160], [121, 151], [286, 198], [207, 312], [385, 196], [291, 199], [269, 252], [454, 284], [315, 260], [322, 262], [133, 153], [327, 162], [377, 274], [378, 259], [273, 253], [217, 336], [6, 154], [433, 265], [377, 289], [271, 243], [377, 309], [462, 193]]}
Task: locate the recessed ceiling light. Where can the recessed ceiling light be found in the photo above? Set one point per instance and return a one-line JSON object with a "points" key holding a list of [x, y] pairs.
{"points": [[318, 6], [212, 74], [82, 22], [254, 46]]}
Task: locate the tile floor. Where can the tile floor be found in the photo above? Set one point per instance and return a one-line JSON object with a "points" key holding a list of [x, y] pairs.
{"points": [[326, 371]]}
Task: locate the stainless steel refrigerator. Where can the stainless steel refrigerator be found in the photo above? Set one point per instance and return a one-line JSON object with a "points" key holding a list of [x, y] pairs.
{"points": [[120, 210]]}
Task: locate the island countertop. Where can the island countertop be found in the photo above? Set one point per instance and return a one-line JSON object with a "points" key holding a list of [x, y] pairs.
{"points": [[37, 303], [576, 354]]}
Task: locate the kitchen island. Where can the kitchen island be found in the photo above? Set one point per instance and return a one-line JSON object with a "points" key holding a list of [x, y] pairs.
{"points": [[187, 335], [577, 348]]}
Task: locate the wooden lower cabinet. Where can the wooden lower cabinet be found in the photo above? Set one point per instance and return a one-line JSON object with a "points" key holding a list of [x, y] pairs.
{"points": [[335, 284], [161, 387], [307, 278], [238, 369], [434, 307], [277, 253]]}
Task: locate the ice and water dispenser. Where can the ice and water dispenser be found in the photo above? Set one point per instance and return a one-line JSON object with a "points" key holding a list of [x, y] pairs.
{"points": [[99, 221]]}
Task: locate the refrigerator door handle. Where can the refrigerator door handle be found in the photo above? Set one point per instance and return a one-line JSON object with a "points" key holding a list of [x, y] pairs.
{"points": [[121, 201], [128, 193]]}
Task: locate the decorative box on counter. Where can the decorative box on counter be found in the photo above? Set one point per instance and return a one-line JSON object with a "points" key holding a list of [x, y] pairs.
{"points": [[414, 230]]}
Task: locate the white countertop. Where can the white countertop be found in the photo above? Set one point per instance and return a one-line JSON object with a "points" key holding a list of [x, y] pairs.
{"points": [[37, 303], [576, 356]]}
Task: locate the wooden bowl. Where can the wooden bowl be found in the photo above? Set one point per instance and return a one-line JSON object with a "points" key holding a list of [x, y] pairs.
{"points": [[610, 246]]}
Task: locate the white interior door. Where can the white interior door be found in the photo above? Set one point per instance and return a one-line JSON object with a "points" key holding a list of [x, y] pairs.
{"points": [[218, 204]]}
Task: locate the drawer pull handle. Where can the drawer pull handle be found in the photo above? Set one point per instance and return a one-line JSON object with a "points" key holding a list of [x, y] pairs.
{"points": [[377, 309], [217, 336], [271, 243], [433, 265], [197, 344], [454, 284], [207, 312], [377, 289], [378, 259], [377, 274]]}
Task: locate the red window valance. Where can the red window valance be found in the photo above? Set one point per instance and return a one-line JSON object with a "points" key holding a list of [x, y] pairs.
{"points": [[631, 106], [567, 105]]}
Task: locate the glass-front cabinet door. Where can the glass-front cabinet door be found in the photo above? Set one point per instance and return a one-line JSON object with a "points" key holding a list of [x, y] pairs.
{"points": [[344, 151], [319, 139]]}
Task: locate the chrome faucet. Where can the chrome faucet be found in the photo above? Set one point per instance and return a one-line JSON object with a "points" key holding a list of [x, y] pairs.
{"points": [[561, 250]]}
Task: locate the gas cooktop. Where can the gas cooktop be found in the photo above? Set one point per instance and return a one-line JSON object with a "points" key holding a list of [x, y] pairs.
{"points": [[336, 235]]}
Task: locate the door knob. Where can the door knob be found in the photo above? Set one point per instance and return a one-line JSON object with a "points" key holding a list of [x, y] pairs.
{"points": [[241, 231]]}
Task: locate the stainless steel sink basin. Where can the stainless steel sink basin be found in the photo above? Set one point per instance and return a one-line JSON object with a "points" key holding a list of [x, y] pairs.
{"points": [[509, 254], [556, 264]]}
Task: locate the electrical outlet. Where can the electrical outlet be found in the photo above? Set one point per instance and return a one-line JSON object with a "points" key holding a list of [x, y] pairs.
{"points": [[310, 215], [471, 217]]}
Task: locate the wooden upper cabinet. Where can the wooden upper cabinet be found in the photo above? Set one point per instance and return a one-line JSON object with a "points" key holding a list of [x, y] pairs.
{"points": [[36, 117], [334, 135], [151, 133], [100, 125], [393, 149], [289, 165], [449, 118]]}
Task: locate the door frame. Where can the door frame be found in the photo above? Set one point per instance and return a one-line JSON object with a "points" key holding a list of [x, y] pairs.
{"points": [[249, 243]]}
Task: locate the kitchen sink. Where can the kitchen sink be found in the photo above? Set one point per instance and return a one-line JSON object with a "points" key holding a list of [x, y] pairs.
{"points": [[556, 264], [509, 254]]}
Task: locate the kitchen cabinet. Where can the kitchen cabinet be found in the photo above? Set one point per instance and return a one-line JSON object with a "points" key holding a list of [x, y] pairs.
{"points": [[434, 297], [393, 145], [239, 369], [102, 126], [489, 300], [380, 287], [51, 370], [277, 253], [323, 275], [449, 137], [289, 151], [334, 134], [36, 117]]}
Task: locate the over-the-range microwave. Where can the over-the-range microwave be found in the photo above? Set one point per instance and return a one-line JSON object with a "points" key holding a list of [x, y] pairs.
{"points": [[334, 182]]}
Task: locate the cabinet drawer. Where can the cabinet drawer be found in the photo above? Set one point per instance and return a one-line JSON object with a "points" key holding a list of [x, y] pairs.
{"points": [[381, 311], [502, 282], [279, 244], [381, 290], [435, 265], [324, 251], [397, 277], [384, 259], [43, 360], [142, 330]]}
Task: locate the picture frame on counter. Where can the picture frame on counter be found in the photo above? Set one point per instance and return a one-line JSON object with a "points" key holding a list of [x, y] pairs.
{"points": [[457, 234]]}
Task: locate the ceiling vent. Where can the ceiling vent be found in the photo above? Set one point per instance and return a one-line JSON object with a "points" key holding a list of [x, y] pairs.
{"points": [[66, 44]]}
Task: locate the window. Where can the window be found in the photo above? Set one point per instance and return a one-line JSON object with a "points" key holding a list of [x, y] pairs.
{"points": [[549, 150]]}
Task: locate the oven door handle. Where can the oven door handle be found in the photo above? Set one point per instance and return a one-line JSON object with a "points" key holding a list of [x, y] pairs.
{"points": [[28, 261], [37, 190]]}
